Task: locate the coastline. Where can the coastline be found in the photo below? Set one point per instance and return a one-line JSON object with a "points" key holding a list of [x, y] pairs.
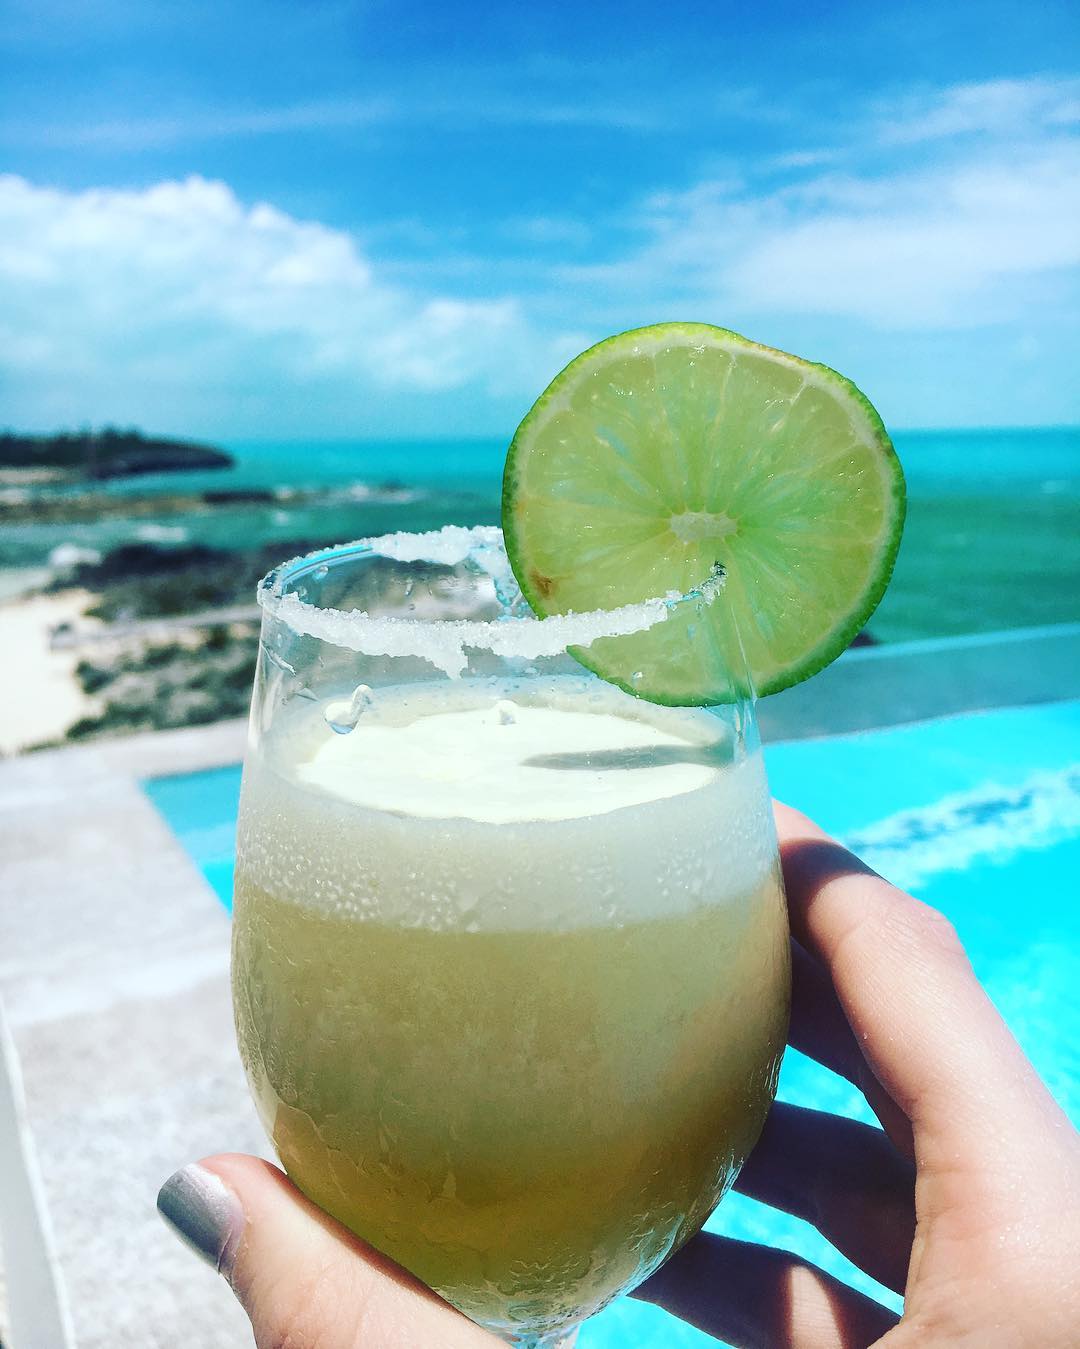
{"points": [[129, 605], [88, 455], [39, 690], [154, 575]]}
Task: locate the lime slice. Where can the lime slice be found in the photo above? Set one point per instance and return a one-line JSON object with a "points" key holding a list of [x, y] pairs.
{"points": [[664, 451]]}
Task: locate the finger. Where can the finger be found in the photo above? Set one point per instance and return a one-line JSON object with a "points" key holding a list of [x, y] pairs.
{"points": [[926, 1028], [754, 1297], [820, 1030], [844, 1177], [819, 1027], [302, 1278]]}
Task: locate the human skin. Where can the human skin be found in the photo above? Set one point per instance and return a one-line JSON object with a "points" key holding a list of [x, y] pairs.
{"points": [[968, 1203]]}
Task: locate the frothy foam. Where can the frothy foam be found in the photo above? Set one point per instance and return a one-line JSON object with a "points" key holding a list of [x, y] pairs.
{"points": [[506, 808], [505, 762]]}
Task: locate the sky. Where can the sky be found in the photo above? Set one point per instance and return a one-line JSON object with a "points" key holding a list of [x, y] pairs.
{"points": [[241, 220]]}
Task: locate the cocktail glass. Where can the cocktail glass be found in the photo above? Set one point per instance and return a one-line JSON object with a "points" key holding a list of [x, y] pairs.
{"points": [[510, 958]]}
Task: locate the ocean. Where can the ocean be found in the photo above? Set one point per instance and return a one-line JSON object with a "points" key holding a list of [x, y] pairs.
{"points": [[992, 539]]}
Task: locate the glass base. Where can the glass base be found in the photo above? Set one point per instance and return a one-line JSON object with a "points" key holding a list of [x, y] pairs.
{"points": [[565, 1339]]}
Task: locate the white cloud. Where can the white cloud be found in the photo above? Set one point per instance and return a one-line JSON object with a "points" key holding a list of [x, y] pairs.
{"points": [[943, 275], [186, 309], [805, 159], [120, 303], [145, 133], [193, 126], [945, 246], [547, 230], [1004, 108]]}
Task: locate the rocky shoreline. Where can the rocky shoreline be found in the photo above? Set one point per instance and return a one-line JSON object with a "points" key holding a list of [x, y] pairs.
{"points": [[131, 608], [22, 501], [148, 638], [144, 637], [74, 456]]}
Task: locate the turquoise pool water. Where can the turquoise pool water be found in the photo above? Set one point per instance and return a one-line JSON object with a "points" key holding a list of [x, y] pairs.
{"points": [[978, 814]]}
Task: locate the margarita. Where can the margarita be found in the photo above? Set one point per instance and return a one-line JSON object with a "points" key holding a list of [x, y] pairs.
{"points": [[511, 972]]}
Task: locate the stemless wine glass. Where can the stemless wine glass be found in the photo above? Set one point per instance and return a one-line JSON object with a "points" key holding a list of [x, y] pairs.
{"points": [[510, 958]]}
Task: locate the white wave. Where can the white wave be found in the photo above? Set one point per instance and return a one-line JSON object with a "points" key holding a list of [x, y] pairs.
{"points": [[991, 823], [152, 533], [378, 495], [66, 555]]}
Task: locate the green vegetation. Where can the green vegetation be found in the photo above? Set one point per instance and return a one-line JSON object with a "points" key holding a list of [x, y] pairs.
{"points": [[145, 679], [163, 686], [143, 581], [108, 453]]}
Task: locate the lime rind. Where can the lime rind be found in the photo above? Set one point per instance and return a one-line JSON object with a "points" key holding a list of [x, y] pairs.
{"points": [[607, 483]]}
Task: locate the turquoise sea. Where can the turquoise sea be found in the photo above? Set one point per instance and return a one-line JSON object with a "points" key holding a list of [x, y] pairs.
{"points": [[992, 539]]}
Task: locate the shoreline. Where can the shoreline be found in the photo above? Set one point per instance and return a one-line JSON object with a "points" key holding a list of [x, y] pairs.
{"points": [[40, 694], [68, 677], [95, 456], [159, 573]]}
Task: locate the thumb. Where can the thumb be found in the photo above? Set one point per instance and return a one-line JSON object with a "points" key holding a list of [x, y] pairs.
{"points": [[302, 1278]]}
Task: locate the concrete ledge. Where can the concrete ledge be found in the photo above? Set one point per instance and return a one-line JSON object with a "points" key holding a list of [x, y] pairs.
{"points": [[35, 1302], [914, 681], [114, 975]]}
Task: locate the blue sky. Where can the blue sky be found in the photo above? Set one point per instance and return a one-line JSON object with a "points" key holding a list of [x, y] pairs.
{"points": [[345, 219]]}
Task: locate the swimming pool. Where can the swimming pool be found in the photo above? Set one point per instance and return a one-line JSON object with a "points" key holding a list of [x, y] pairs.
{"points": [[979, 814]]}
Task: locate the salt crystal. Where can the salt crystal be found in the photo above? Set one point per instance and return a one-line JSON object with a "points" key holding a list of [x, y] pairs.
{"points": [[448, 546], [444, 642]]}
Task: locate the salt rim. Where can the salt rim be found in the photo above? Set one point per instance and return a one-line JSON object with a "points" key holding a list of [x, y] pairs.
{"points": [[442, 641]]}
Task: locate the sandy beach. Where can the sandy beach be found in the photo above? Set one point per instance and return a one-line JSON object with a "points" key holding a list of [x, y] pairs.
{"points": [[40, 695]]}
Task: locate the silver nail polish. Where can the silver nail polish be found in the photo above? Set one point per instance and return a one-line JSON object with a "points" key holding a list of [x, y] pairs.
{"points": [[204, 1213]]}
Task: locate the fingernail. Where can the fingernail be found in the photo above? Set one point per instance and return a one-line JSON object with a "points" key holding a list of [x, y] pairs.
{"points": [[204, 1213]]}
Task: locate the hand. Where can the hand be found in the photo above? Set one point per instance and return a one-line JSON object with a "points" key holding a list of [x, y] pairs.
{"points": [[969, 1203]]}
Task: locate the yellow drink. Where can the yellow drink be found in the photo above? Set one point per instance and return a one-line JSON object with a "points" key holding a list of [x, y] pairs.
{"points": [[522, 1049]]}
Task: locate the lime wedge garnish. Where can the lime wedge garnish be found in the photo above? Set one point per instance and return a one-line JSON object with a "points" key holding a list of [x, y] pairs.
{"points": [[664, 451]]}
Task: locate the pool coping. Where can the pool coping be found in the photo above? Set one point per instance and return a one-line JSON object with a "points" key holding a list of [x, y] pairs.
{"points": [[875, 686], [95, 982], [112, 938], [35, 1300]]}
